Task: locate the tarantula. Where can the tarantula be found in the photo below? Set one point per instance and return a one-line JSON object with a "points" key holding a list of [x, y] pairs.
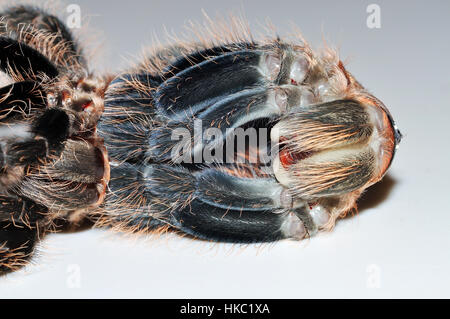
{"points": [[78, 146]]}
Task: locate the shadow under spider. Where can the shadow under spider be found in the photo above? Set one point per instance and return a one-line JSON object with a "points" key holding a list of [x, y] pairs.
{"points": [[65, 227], [376, 194]]}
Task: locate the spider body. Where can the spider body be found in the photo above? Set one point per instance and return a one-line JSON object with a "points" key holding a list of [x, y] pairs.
{"points": [[228, 140], [334, 140]]}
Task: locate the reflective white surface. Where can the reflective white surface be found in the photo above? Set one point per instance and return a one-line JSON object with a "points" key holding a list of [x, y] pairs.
{"points": [[399, 244]]}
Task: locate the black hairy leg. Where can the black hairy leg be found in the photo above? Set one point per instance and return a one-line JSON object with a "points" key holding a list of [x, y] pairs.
{"points": [[22, 222], [36, 27], [208, 204], [16, 246]]}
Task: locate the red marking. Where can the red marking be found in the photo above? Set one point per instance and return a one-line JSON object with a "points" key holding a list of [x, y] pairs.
{"points": [[288, 158], [65, 95], [293, 82], [311, 205], [87, 104]]}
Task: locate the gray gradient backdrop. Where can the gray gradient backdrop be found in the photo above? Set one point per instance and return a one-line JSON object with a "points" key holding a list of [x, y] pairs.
{"points": [[399, 244]]}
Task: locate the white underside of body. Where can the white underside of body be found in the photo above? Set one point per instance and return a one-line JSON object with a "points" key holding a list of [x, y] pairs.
{"points": [[5, 79]]}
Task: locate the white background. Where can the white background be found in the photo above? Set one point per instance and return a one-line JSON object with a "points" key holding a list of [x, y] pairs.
{"points": [[397, 246]]}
